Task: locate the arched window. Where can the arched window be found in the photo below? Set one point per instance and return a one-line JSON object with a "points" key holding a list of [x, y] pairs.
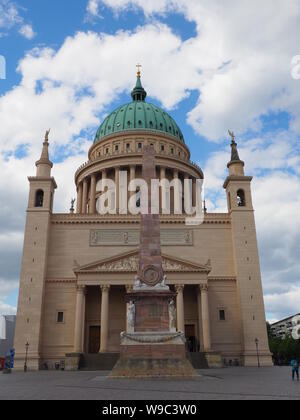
{"points": [[241, 201], [39, 198]]}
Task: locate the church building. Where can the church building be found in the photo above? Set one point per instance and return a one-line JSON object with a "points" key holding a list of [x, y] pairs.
{"points": [[78, 266]]}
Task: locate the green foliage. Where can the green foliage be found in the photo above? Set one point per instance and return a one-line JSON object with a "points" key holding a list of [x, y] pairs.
{"points": [[284, 350]]}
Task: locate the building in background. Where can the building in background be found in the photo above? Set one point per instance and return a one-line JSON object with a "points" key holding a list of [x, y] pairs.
{"points": [[8, 343], [78, 266], [283, 328]]}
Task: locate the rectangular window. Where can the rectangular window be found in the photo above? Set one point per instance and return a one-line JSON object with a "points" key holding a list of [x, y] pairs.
{"points": [[222, 315], [60, 317]]}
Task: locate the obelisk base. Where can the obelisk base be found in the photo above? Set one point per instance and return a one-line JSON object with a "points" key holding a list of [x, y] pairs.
{"points": [[153, 355]]}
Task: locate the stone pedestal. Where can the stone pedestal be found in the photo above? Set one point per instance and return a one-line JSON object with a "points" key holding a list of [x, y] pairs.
{"points": [[152, 349], [152, 355], [151, 310]]}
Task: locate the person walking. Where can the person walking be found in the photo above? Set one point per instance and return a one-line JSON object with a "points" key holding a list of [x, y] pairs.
{"points": [[295, 369]]}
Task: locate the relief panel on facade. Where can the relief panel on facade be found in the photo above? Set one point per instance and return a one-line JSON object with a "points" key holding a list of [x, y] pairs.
{"points": [[114, 237]]}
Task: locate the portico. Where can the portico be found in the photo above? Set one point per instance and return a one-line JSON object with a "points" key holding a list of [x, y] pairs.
{"points": [[101, 307]]}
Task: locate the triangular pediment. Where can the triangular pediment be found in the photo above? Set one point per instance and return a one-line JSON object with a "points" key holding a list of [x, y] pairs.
{"points": [[129, 262]]}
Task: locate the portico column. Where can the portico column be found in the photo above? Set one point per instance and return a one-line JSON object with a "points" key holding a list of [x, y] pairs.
{"points": [[199, 307], [205, 317], [180, 308], [79, 319], [79, 198], [92, 209], [84, 196], [129, 289], [104, 318], [177, 196]]}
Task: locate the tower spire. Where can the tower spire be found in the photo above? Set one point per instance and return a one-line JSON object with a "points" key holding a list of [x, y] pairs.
{"points": [[236, 165], [44, 165]]}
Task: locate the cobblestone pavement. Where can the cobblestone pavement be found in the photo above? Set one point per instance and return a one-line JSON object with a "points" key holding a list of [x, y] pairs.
{"points": [[228, 384]]}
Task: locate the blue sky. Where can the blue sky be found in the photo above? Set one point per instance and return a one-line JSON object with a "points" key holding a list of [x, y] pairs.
{"points": [[212, 67]]}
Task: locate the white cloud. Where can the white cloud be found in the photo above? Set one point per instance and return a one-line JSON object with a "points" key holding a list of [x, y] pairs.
{"points": [[6, 309], [240, 60], [284, 303], [11, 17], [6, 288], [93, 7], [276, 200], [239, 63], [27, 31]]}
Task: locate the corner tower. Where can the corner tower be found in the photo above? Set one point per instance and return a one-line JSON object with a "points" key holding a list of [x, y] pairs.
{"points": [[34, 262], [246, 260]]}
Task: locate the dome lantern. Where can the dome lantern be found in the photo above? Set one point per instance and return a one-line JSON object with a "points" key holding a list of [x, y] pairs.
{"points": [[138, 94]]}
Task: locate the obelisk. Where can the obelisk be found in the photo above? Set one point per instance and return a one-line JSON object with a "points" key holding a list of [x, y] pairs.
{"points": [[151, 347], [150, 260]]}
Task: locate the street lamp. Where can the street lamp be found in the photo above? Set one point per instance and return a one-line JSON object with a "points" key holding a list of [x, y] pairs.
{"points": [[256, 343], [26, 356]]}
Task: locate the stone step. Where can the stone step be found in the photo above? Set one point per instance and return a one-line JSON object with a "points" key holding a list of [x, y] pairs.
{"points": [[101, 361], [198, 360]]}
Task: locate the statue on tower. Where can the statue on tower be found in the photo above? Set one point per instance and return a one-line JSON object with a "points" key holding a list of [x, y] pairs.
{"points": [[234, 151], [47, 135]]}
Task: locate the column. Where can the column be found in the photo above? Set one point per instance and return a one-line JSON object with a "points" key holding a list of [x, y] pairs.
{"points": [[187, 196], [83, 322], [180, 308], [92, 209], [177, 195], [205, 317], [194, 192], [163, 189], [104, 175], [199, 307], [79, 319], [117, 175], [84, 196], [129, 289], [132, 177], [79, 198], [104, 318]]}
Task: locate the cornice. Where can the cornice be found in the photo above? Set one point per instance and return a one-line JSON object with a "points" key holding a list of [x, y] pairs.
{"points": [[236, 178], [61, 280], [80, 219], [42, 179]]}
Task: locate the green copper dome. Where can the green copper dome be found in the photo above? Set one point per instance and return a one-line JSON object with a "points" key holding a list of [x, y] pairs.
{"points": [[139, 115]]}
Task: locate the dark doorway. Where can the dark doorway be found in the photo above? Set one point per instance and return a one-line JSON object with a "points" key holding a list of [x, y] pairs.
{"points": [[191, 341], [94, 340]]}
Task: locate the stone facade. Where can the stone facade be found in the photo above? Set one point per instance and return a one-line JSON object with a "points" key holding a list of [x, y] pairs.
{"points": [[78, 267]]}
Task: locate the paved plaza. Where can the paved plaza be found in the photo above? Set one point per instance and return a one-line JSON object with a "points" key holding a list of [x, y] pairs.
{"points": [[228, 384]]}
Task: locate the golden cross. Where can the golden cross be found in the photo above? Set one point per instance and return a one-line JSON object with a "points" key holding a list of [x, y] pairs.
{"points": [[139, 70]]}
